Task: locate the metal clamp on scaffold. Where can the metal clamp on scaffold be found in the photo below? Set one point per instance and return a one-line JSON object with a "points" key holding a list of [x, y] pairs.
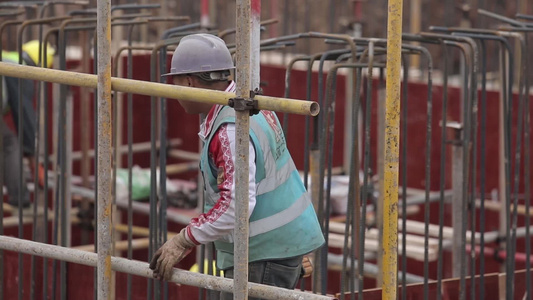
{"points": [[249, 104]]}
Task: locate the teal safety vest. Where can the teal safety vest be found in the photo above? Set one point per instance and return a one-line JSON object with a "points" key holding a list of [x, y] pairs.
{"points": [[283, 223]]}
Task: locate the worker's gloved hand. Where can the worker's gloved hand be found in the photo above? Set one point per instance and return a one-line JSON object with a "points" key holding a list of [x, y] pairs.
{"points": [[172, 252], [39, 169], [307, 266]]}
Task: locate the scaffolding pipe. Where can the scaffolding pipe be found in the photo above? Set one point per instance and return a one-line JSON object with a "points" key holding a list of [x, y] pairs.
{"points": [[141, 269], [157, 89], [391, 154], [104, 183], [246, 13]]}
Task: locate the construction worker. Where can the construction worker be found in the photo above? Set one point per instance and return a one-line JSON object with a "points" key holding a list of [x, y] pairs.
{"points": [[283, 223], [10, 98]]}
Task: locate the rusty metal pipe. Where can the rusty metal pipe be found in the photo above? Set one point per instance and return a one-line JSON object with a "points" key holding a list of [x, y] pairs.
{"points": [[509, 216], [470, 120], [288, 89], [325, 120], [357, 202], [184, 33], [21, 3], [527, 153], [352, 172], [12, 13], [170, 31], [226, 32], [524, 17], [124, 48], [498, 17], [64, 154], [134, 7], [104, 184], [366, 161], [155, 236], [40, 233]]}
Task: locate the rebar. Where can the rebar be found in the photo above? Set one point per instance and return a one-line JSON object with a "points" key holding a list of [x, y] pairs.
{"points": [[20, 129], [287, 93], [158, 229], [404, 107], [483, 158], [370, 53], [3, 26], [325, 129]]}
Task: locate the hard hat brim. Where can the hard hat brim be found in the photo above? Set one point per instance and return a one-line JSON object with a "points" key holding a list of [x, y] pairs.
{"points": [[192, 72]]}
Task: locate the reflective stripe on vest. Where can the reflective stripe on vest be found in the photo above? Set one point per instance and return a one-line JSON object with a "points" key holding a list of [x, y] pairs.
{"points": [[271, 183], [280, 219]]}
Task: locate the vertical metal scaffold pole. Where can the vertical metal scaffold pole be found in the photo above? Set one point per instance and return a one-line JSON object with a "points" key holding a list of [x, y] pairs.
{"points": [[391, 154], [103, 31], [247, 19]]}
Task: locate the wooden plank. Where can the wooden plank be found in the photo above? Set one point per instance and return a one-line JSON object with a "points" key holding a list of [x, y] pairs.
{"points": [[496, 206], [411, 210], [372, 233], [447, 232], [412, 251]]}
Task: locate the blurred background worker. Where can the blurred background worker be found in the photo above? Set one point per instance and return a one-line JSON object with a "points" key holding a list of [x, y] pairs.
{"points": [[283, 223], [10, 100]]}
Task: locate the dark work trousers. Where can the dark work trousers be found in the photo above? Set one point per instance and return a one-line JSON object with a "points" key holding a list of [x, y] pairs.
{"points": [[281, 273], [28, 112], [12, 169]]}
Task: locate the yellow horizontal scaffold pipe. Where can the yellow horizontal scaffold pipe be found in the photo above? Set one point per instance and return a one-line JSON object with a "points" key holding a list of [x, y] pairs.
{"points": [[156, 89]]}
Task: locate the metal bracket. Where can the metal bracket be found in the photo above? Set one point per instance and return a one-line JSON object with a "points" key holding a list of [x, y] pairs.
{"points": [[496, 256], [457, 128], [249, 104]]}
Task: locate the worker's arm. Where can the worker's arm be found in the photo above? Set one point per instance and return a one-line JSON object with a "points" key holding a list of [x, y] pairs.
{"points": [[220, 220]]}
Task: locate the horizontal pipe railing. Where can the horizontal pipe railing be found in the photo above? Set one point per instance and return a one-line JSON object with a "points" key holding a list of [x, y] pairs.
{"points": [[141, 269], [146, 88]]}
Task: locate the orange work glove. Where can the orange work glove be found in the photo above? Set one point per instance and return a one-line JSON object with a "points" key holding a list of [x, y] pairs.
{"points": [[171, 253], [40, 170], [307, 266], [41, 175]]}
